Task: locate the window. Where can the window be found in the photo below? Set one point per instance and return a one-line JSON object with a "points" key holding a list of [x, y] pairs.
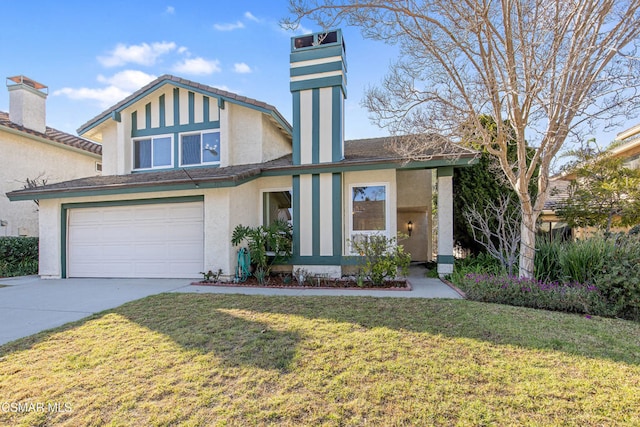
{"points": [[152, 153], [199, 148], [369, 211], [276, 205]]}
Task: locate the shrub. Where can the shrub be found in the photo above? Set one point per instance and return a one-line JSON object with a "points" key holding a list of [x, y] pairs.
{"points": [[381, 257], [569, 297], [619, 278], [262, 241], [481, 263], [18, 256]]}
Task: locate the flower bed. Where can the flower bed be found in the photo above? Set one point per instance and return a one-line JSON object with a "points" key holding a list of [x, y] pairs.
{"points": [[568, 297], [286, 282]]}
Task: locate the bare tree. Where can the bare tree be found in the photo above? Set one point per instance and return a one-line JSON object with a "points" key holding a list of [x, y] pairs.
{"points": [[36, 182], [496, 227], [551, 69]]}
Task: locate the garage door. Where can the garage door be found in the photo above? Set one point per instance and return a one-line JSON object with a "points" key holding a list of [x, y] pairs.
{"points": [[155, 240]]}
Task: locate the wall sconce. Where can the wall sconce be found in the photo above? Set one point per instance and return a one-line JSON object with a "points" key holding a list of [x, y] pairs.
{"points": [[409, 228]]}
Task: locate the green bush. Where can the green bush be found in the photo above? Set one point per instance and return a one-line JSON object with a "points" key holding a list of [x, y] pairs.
{"points": [[483, 263], [619, 277], [567, 297], [381, 257], [18, 256]]}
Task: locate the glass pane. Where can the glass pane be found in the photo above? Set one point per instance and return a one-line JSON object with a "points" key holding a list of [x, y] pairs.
{"points": [[142, 154], [162, 152], [369, 211], [277, 206], [191, 149], [211, 147]]}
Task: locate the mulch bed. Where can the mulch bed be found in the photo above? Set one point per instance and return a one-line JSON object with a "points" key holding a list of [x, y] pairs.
{"points": [[280, 282]]}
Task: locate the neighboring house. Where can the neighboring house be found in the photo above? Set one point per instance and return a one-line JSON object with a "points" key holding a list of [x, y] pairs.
{"points": [[625, 146], [29, 150], [185, 163]]}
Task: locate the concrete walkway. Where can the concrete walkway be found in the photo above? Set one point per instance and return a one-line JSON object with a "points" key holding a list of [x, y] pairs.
{"points": [[29, 304]]}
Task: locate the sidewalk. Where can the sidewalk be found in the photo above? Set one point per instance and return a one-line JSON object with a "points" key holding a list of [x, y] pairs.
{"points": [[422, 287]]}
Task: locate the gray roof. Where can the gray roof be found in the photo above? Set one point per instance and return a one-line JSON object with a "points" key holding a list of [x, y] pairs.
{"points": [[358, 153], [168, 78], [558, 193], [54, 135]]}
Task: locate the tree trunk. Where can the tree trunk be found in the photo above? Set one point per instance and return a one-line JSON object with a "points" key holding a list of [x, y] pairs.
{"points": [[527, 244]]}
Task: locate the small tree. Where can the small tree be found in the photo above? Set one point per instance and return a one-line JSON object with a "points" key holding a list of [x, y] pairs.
{"points": [[497, 228], [262, 241], [604, 193]]}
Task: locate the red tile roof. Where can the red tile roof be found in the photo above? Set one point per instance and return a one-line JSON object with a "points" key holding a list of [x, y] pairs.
{"points": [[55, 136]]}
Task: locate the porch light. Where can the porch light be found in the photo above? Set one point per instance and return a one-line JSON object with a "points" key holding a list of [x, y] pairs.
{"points": [[409, 228]]}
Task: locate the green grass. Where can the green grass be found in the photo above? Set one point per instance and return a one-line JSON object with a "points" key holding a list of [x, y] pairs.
{"points": [[185, 359]]}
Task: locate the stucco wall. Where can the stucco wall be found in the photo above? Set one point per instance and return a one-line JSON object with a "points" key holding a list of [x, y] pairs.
{"points": [[224, 208], [23, 158], [274, 143]]}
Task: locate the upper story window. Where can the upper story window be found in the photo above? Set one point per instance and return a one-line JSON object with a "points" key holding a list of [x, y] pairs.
{"points": [[199, 148], [152, 153]]}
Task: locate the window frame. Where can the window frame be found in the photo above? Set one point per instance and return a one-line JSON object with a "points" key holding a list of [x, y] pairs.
{"points": [[201, 133], [263, 192], [152, 138], [387, 213]]}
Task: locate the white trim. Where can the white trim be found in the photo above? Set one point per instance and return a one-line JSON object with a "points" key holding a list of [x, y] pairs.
{"points": [[316, 61], [316, 76], [273, 190], [387, 211], [133, 152], [201, 133]]}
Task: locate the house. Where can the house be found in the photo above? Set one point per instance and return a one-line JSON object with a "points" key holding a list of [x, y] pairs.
{"points": [[627, 147], [29, 150], [185, 163]]}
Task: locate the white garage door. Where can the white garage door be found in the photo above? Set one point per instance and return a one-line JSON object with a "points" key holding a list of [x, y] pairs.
{"points": [[155, 240]]}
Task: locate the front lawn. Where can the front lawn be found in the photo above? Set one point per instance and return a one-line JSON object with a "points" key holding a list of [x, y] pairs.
{"points": [[185, 359]]}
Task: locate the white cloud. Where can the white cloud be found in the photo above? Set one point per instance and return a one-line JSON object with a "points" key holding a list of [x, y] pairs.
{"points": [[197, 66], [251, 17], [229, 27], [170, 10], [128, 80], [120, 85], [143, 54], [105, 96], [183, 50], [241, 68]]}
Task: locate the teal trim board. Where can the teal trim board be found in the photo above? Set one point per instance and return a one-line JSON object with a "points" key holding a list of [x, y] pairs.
{"points": [[315, 214], [192, 107], [134, 122], [205, 108], [336, 122], [295, 184], [320, 68], [64, 217], [147, 116], [318, 83], [337, 213], [163, 112], [176, 106], [296, 128], [191, 127], [316, 52], [445, 171], [446, 259]]}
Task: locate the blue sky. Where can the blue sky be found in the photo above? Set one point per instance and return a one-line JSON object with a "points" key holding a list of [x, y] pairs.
{"points": [[93, 54]]}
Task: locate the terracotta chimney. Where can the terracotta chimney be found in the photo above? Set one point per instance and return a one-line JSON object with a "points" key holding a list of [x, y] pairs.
{"points": [[27, 103]]}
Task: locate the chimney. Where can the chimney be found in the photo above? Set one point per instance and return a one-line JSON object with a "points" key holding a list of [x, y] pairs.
{"points": [[27, 99]]}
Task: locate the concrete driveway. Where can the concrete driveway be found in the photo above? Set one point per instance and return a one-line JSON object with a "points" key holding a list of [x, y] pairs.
{"points": [[31, 305]]}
